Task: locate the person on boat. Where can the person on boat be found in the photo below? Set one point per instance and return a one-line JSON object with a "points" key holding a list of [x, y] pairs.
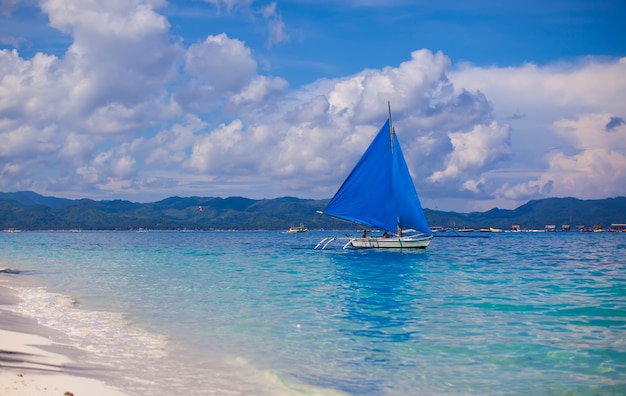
{"points": [[385, 234], [399, 231], [364, 234]]}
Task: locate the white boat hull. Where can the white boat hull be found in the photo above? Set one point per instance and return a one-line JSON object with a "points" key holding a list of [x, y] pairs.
{"points": [[295, 230], [409, 242], [290, 231]]}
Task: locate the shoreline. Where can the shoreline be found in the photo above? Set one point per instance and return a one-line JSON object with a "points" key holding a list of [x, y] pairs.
{"points": [[32, 364], [50, 347]]}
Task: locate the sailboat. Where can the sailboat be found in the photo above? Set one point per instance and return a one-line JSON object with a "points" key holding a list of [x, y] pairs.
{"points": [[379, 193]]}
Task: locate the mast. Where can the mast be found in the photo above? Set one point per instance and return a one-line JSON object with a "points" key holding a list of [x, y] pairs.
{"points": [[391, 131], [391, 137]]}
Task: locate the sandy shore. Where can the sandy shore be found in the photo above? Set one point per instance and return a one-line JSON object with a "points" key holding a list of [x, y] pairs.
{"points": [[32, 364]]}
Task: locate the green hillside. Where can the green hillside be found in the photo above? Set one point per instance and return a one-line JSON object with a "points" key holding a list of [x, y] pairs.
{"points": [[30, 211], [539, 213]]}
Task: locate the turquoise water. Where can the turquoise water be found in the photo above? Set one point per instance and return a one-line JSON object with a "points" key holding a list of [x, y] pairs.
{"points": [[264, 313]]}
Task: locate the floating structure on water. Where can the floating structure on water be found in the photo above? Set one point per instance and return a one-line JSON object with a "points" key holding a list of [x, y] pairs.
{"points": [[615, 227], [295, 230]]}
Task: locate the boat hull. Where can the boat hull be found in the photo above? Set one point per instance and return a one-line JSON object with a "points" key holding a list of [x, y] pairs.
{"points": [[295, 230], [392, 242]]}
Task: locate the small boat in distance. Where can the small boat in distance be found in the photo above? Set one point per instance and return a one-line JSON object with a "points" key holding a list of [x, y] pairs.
{"points": [[295, 230], [379, 194]]}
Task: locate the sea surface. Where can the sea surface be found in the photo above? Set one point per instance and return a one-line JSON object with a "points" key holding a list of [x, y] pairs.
{"points": [[264, 313]]}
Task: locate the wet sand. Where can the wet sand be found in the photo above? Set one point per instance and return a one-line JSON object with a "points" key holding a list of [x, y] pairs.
{"points": [[32, 364]]}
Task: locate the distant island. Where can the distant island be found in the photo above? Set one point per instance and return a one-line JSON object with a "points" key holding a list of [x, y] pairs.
{"points": [[26, 210]]}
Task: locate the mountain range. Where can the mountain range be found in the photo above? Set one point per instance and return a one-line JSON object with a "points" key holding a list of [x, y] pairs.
{"points": [[26, 210]]}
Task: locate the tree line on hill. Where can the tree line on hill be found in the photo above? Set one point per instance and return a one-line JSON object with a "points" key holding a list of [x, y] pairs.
{"points": [[27, 210]]}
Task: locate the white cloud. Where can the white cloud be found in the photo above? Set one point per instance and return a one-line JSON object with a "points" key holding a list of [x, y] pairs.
{"points": [[20, 142], [222, 63], [531, 97], [77, 146], [115, 163], [111, 80], [119, 61], [565, 124], [258, 89], [6, 6], [28, 89], [11, 176], [314, 136], [592, 131], [221, 67], [230, 4], [596, 170], [475, 152], [232, 150], [169, 146], [275, 25], [333, 121], [127, 109], [133, 20]]}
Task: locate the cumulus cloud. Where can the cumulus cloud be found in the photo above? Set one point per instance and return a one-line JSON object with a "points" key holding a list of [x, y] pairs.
{"points": [[473, 152], [570, 135], [258, 88], [110, 81], [334, 121], [221, 67], [222, 63], [169, 145], [114, 70], [597, 169], [586, 83], [121, 53], [315, 135], [232, 150], [130, 109], [58, 115]]}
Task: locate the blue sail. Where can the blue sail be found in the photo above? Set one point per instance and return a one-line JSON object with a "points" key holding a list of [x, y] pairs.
{"points": [[379, 192]]}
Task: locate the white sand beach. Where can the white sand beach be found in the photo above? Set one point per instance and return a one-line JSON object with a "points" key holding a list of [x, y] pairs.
{"points": [[28, 365]]}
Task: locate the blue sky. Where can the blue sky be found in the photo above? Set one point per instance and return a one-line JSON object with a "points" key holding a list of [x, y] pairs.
{"points": [[495, 103]]}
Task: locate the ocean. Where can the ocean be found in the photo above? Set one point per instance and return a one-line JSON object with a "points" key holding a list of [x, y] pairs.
{"points": [[264, 313]]}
